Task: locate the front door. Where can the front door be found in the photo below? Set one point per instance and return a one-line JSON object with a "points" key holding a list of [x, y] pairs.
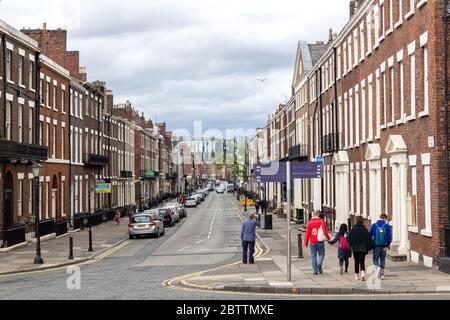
{"points": [[8, 208]]}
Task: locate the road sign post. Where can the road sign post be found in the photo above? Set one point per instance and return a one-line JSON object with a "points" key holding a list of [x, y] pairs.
{"points": [[288, 217]]}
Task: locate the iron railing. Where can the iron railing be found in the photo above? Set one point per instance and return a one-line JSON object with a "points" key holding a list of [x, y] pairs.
{"points": [[330, 143]]}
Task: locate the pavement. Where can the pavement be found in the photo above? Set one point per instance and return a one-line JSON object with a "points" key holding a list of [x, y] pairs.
{"points": [[269, 274], [55, 252]]}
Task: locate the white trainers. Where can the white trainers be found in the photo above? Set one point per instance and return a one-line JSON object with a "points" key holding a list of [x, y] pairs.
{"points": [[357, 276], [363, 276]]}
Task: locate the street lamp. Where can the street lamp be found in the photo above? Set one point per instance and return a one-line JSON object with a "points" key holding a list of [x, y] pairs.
{"points": [[36, 169]]}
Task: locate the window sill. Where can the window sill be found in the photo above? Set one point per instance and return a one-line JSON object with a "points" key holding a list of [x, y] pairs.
{"points": [[400, 121], [369, 140], [10, 82], [411, 118], [413, 229], [362, 59], [409, 14], [375, 47], [32, 90], [398, 24], [377, 137], [368, 54], [388, 32], [63, 112], [363, 141], [22, 86], [381, 39], [383, 127], [421, 3], [423, 114], [390, 124], [426, 233]]}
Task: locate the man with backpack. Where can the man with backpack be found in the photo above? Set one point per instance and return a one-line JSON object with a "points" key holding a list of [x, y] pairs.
{"points": [[381, 236]]}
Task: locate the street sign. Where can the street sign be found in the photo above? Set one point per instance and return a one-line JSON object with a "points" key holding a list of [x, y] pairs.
{"points": [[276, 171], [102, 188], [319, 159]]}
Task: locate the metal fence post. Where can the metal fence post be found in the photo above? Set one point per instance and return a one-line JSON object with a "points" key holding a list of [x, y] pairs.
{"points": [[70, 248], [300, 246]]}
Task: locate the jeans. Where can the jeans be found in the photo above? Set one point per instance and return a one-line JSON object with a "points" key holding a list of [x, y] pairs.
{"points": [[379, 257], [360, 263], [248, 246], [317, 249]]}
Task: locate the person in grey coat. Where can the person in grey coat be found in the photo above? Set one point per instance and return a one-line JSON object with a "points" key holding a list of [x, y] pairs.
{"points": [[248, 237]]}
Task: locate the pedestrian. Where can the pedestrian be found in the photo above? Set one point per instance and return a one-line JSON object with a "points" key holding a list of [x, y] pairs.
{"points": [[257, 206], [117, 217], [344, 252], [248, 237], [381, 236], [183, 199], [316, 234], [359, 241]]}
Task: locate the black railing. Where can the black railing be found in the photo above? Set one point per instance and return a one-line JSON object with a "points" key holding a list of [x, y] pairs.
{"points": [[77, 222], [61, 227], [330, 143], [126, 174], [299, 152], [94, 219], [46, 227], [13, 235], [96, 160], [15, 150]]}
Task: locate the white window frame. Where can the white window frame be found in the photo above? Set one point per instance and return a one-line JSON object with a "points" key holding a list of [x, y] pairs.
{"points": [[427, 196], [412, 59], [357, 121], [363, 112], [426, 84]]}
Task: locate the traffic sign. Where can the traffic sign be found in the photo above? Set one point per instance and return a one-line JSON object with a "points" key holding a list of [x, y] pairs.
{"points": [[276, 171]]}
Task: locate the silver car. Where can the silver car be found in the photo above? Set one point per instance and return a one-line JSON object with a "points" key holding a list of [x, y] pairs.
{"points": [[181, 210], [191, 202], [145, 224], [175, 212]]}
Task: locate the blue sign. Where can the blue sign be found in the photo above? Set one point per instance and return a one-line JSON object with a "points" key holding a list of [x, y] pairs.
{"points": [[319, 159], [276, 171]]}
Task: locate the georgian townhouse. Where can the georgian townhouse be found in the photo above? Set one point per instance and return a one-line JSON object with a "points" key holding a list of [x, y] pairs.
{"points": [[54, 125], [91, 143], [19, 145], [374, 105], [78, 202]]}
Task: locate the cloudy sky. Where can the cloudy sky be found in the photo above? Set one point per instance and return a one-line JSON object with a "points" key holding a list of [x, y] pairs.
{"points": [[185, 60]]}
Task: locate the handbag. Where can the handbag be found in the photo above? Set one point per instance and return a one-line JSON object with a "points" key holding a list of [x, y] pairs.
{"points": [[321, 235]]}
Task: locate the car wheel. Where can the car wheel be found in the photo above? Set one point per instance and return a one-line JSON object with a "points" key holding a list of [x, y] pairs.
{"points": [[130, 237], [163, 232], [157, 235]]}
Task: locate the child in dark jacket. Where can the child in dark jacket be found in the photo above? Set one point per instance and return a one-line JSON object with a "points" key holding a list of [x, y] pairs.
{"points": [[344, 252]]}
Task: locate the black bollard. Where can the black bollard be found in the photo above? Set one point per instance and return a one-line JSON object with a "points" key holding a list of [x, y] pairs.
{"points": [[300, 246], [70, 248], [90, 240]]}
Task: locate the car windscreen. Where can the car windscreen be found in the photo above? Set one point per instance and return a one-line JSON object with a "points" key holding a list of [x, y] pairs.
{"points": [[141, 219], [163, 212]]}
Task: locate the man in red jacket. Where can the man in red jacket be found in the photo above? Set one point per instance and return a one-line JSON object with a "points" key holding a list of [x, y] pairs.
{"points": [[317, 233]]}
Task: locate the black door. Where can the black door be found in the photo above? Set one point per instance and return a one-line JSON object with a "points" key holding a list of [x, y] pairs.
{"points": [[8, 208]]}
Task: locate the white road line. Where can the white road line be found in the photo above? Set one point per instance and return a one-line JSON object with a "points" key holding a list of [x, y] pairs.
{"points": [[185, 248], [200, 241]]}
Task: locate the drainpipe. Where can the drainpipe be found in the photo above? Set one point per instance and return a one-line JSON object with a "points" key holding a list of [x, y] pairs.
{"points": [[4, 127], [322, 186], [70, 157], [336, 124], [445, 261]]}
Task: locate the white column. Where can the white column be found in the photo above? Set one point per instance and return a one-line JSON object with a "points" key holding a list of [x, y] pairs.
{"points": [[404, 244], [338, 197], [346, 193], [395, 205]]}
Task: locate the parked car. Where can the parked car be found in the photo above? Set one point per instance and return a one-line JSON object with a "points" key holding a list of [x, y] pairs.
{"points": [[175, 212], [167, 217], [201, 194], [230, 188], [181, 210], [146, 224], [198, 197], [191, 202]]}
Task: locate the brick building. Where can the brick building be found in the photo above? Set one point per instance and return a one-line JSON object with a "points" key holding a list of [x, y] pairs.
{"points": [[365, 105], [19, 145]]}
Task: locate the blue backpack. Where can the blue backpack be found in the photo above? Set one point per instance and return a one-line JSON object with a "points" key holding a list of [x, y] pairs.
{"points": [[381, 236]]}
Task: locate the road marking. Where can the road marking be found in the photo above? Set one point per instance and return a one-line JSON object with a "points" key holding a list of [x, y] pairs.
{"points": [[200, 241], [187, 247]]}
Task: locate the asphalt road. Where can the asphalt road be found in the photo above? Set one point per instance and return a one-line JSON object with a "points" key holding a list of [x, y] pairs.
{"points": [[207, 238]]}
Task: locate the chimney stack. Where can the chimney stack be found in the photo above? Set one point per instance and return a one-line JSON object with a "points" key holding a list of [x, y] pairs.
{"points": [[352, 8], [330, 36], [45, 26]]}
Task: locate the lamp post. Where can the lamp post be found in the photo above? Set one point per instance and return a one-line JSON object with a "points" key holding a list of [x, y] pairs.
{"points": [[90, 249], [36, 169]]}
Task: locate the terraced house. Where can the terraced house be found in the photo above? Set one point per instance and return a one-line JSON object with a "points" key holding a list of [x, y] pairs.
{"points": [[374, 105], [52, 114]]}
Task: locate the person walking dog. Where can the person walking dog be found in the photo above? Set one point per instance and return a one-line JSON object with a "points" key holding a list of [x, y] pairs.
{"points": [[359, 241], [316, 234], [248, 237]]}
